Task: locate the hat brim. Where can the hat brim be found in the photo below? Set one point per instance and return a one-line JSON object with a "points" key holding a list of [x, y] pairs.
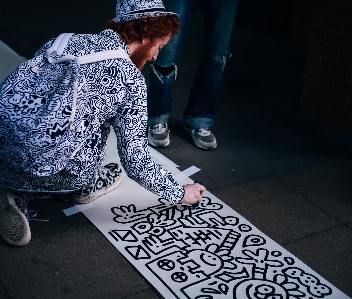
{"points": [[144, 15]]}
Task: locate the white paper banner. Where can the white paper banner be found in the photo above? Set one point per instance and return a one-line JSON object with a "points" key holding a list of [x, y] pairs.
{"points": [[210, 252]]}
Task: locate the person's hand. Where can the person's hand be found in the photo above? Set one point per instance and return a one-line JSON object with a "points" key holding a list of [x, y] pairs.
{"points": [[193, 193]]}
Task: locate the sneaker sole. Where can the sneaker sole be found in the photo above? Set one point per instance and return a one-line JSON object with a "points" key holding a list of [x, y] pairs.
{"points": [[99, 193], [199, 145], [163, 143], [14, 227]]}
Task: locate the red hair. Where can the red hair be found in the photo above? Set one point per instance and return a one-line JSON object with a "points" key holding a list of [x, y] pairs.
{"points": [[152, 28]]}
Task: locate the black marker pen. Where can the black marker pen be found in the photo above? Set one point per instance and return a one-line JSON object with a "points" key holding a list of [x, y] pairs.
{"points": [[195, 205]]}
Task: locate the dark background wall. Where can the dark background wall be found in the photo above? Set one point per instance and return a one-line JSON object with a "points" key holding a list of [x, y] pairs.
{"points": [[325, 28]]}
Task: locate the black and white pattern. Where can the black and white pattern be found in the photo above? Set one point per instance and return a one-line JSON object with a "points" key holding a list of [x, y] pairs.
{"points": [[211, 252], [117, 92], [127, 10], [39, 123]]}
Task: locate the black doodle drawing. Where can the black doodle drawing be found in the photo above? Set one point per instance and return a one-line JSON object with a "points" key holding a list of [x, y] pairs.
{"points": [[123, 235], [253, 240], [207, 253], [313, 285], [137, 252]]}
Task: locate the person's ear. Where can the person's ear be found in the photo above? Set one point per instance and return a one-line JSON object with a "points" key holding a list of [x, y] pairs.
{"points": [[145, 40]]}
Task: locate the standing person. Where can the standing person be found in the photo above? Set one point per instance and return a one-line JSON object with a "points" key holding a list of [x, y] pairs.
{"points": [[116, 96], [199, 114]]}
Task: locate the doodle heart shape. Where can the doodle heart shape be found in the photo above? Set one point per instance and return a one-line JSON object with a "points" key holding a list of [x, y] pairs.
{"points": [[206, 204]]}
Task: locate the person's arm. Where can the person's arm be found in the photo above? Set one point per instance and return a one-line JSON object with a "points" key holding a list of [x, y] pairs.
{"points": [[130, 126]]}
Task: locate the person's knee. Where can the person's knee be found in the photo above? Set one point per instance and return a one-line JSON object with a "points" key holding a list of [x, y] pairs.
{"points": [[165, 70]]}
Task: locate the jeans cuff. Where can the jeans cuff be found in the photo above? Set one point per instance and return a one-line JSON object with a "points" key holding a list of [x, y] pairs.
{"points": [[161, 119], [198, 122]]}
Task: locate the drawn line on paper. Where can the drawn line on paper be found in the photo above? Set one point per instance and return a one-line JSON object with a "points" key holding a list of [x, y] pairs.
{"points": [[203, 254]]}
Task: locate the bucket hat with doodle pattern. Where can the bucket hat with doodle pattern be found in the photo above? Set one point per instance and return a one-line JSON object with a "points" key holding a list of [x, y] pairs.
{"points": [[129, 10]]}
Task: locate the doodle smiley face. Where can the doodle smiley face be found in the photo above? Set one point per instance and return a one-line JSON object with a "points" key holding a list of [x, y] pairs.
{"points": [[208, 262], [209, 259]]}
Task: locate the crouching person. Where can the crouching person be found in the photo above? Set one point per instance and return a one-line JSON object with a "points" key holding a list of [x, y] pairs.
{"points": [[56, 111]]}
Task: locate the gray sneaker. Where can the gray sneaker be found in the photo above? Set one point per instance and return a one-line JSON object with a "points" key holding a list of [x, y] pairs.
{"points": [[203, 138], [14, 227], [158, 135], [107, 178]]}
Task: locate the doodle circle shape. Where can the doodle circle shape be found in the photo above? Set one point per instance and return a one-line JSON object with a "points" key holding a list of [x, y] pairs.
{"points": [[253, 240], [257, 288], [289, 260], [244, 228], [166, 265], [276, 253], [265, 290], [142, 227], [231, 220], [179, 277], [157, 231]]}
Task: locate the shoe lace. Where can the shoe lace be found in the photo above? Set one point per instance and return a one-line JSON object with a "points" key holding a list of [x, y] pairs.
{"points": [[32, 214], [203, 132], [29, 214], [159, 128]]}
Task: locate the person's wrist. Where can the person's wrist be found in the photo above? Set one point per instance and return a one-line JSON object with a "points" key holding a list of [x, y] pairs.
{"points": [[184, 193]]}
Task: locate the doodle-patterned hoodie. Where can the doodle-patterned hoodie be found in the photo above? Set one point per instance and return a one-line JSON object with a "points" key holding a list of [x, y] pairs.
{"points": [[117, 93]]}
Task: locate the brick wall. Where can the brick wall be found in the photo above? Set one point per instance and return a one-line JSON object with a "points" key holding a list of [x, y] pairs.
{"points": [[327, 84], [300, 19]]}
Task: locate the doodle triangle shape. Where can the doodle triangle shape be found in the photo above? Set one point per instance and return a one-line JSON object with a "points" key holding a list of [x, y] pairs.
{"points": [[137, 252], [125, 235]]}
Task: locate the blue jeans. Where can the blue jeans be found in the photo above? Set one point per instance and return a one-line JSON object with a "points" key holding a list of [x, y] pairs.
{"points": [[219, 16]]}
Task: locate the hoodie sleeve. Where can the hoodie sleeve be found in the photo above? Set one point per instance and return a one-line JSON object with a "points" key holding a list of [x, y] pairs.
{"points": [[130, 126]]}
